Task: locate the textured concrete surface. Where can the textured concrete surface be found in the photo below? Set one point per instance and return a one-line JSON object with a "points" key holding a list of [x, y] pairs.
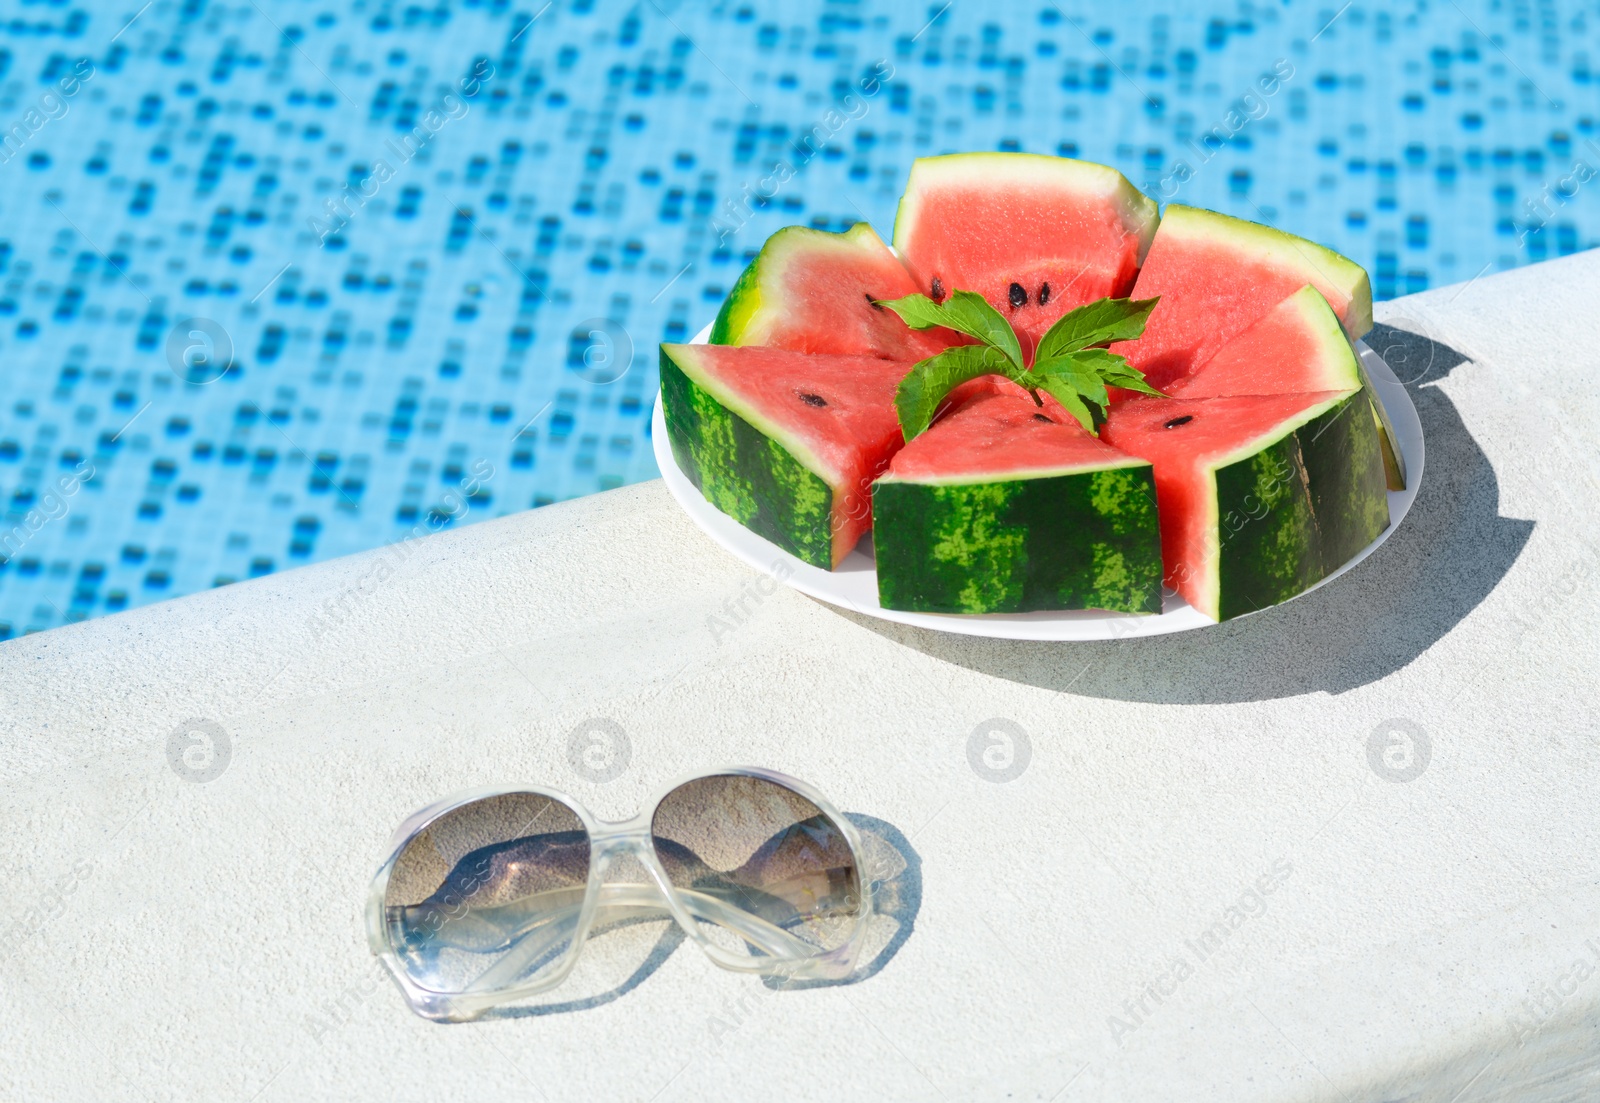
{"points": [[1209, 879]]}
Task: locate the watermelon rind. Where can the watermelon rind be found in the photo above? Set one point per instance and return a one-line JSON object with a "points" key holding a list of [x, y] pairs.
{"points": [[743, 303], [1317, 264], [771, 486], [1394, 460], [1344, 467], [1080, 539], [998, 170], [1292, 507]]}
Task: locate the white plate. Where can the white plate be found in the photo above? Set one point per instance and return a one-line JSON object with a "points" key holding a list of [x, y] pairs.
{"points": [[854, 585]]}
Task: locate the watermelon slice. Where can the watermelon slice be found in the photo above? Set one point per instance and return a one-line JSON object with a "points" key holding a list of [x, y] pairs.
{"points": [[785, 443], [1036, 236], [1261, 496], [1217, 275], [1003, 507], [1298, 347], [813, 291]]}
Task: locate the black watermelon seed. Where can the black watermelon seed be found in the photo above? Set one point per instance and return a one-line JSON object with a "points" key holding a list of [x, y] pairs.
{"points": [[1019, 297], [1041, 417], [812, 399], [938, 290], [873, 303], [1044, 293], [1177, 421]]}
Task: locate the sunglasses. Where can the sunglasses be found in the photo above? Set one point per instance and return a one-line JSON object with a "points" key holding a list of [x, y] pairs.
{"points": [[488, 897]]}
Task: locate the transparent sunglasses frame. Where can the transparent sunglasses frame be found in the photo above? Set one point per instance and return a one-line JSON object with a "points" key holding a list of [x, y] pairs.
{"points": [[780, 953]]}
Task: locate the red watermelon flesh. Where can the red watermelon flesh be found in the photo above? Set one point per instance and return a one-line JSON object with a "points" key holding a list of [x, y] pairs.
{"points": [[1187, 441], [813, 291], [1216, 275], [835, 415], [1035, 236], [985, 385], [1297, 347], [1002, 435]]}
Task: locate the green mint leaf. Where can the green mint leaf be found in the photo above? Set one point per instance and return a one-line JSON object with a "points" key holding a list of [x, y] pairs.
{"points": [[1096, 323], [916, 311], [930, 381], [1114, 370], [965, 312], [1078, 381], [970, 313], [1135, 383], [1059, 387], [1066, 366], [1067, 371]]}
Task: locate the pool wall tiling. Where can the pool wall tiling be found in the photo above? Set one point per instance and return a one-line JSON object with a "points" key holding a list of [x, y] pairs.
{"points": [[290, 279]]}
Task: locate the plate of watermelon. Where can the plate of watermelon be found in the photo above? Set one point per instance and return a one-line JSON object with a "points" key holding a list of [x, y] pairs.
{"points": [[1129, 424]]}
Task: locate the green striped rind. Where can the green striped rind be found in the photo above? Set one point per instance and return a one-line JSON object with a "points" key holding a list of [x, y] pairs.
{"points": [[1081, 541], [1267, 529], [1394, 467], [1297, 510], [1349, 496], [744, 473]]}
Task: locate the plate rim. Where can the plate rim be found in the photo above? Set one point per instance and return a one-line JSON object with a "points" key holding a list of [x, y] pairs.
{"points": [[1053, 626]]}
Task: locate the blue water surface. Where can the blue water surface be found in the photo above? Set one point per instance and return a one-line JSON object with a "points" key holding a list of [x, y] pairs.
{"points": [[286, 279]]}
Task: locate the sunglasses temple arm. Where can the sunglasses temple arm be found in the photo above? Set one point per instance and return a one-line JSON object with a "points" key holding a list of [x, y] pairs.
{"points": [[772, 940], [617, 903], [622, 902], [526, 952]]}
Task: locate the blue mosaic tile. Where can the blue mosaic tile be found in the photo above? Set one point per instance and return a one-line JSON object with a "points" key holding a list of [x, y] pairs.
{"points": [[291, 279]]}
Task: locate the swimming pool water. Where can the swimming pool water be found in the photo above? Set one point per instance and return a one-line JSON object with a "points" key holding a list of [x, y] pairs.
{"points": [[286, 279]]}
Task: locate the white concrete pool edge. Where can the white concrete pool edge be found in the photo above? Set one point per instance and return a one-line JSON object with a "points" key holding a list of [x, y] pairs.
{"points": [[1423, 945]]}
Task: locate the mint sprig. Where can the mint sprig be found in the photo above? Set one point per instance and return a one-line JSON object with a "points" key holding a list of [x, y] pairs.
{"points": [[930, 381], [965, 312], [1096, 323], [1067, 366]]}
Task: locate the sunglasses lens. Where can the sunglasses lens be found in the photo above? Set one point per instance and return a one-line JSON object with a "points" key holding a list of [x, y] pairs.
{"points": [[757, 859], [487, 896]]}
